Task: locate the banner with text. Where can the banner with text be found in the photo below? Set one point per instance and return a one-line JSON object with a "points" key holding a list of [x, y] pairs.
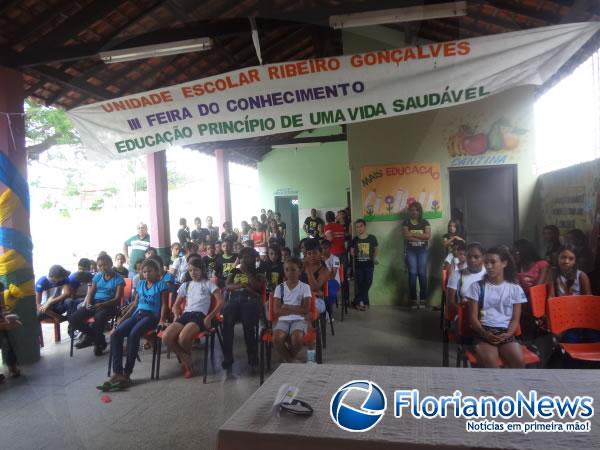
{"points": [[299, 95], [388, 190]]}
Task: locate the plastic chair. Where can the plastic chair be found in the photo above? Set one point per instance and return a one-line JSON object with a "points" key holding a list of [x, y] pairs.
{"points": [[111, 322], [312, 336], [57, 337], [127, 290], [468, 357], [537, 296], [209, 336], [576, 311]]}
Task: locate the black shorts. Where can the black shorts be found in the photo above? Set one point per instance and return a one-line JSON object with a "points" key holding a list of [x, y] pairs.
{"points": [[495, 331], [192, 316]]}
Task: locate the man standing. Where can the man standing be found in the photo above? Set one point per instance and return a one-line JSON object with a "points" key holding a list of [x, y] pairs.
{"points": [[138, 243], [313, 225], [281, 225], [212, 230], [199, 234], [183, 235]]}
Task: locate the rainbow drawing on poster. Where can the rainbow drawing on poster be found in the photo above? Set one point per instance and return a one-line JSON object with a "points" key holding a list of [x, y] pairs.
{"points": [[388, 190]]}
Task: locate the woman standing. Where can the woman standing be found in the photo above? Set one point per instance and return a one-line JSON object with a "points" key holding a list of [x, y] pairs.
{"points": [[417, 232]]}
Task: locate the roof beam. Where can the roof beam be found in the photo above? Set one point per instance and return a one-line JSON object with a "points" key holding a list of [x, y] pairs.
{"points": [[78, 22], [61, 78]]}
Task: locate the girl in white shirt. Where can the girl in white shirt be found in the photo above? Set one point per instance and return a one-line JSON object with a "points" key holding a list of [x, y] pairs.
{"points": [[197, 315], [460, 280], [290, 307], [495, 311]]}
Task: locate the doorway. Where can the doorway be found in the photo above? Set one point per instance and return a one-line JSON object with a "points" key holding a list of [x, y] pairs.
{"points": [[288, 208], [485, 201]]}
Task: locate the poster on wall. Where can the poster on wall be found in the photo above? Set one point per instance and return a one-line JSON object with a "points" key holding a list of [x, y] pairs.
{"points": [[388, 190], [570, 199]]}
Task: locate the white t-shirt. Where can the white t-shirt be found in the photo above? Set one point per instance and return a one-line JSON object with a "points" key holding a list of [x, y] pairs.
{"points": [[197, 295], [180, 265], [333, 262], [293, 297], [498, 301], [465, 278]]}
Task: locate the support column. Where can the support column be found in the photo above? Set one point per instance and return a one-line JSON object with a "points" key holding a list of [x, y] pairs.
{"points": [[16, 270], [158, 192], [224, 188]]}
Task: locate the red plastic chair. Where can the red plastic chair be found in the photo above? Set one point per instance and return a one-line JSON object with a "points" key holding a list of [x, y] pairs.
{"points": [[576, 311], [312, 336], [468, 357]]}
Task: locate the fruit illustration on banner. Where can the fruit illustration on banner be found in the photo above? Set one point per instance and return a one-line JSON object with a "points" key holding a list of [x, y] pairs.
{"points": [[466, 141], [476, 144]]}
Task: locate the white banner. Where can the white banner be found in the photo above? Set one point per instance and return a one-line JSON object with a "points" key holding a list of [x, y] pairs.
{"points": [[299, 95]]}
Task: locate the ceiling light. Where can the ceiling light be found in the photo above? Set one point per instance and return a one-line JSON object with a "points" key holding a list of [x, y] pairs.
{"points": [[396, 15], [158, 50]]}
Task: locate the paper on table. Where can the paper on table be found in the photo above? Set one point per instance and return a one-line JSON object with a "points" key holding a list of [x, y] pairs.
{"points": [[286, 394]]}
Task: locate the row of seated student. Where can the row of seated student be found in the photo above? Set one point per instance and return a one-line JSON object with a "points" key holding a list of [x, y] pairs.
{"points": [[241, 275], [496, 295]]}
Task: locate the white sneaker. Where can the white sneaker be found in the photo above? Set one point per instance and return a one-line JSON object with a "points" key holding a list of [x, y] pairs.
{"points": [[414, 304]]}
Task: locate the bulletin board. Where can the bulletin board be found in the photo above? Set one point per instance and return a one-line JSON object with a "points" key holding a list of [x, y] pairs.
{"points": [[388, 190]]}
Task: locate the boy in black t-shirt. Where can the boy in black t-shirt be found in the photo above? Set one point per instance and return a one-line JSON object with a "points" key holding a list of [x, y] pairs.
{"points": [[313, 225], [273, 268], [226, 262], [210, 260], [364, 249]]}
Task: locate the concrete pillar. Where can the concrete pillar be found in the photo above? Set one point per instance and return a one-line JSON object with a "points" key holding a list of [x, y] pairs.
{"points": [[158, 192], [15, 231], [224, 188]]}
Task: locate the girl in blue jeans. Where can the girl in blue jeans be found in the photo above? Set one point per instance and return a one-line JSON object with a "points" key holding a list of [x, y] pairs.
{"points": [[417, 232], [148, 310]]}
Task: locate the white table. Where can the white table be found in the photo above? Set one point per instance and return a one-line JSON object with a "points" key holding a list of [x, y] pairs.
{"points": [[254, 427]]}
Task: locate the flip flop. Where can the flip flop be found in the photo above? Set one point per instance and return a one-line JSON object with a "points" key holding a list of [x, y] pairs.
{"points": [[104, 387]]}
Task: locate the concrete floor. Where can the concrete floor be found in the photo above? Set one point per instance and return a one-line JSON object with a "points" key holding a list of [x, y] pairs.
{"points": [[55, 404]]}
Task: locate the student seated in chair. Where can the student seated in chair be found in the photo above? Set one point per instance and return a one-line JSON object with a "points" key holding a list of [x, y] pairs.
{"points": [[146, 312], [52, 295], [196, 292], [290, 308], [495, 311], [101, 302], [565, 280]]}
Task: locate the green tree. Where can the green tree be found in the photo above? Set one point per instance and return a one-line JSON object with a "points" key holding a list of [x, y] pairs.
{"points": [[45, 127]]}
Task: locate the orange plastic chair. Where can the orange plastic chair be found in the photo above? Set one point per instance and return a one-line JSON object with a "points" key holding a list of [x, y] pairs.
{"points": [[468, 356], [537, 296], [127, 289], [312, 336], [576, 311]]}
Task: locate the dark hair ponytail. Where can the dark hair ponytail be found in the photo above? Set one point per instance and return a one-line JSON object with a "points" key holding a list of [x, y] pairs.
{"points": [[510, 271]]}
